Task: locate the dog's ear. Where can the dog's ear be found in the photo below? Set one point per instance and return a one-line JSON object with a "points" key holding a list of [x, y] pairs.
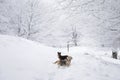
{"points": [[58, 52]]}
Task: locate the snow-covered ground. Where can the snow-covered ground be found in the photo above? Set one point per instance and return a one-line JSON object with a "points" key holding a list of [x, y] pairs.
{"points": [[21, 59]]}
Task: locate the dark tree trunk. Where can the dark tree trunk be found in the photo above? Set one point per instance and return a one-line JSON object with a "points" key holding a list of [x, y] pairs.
{"points": [[68, 46], [114, 55]]}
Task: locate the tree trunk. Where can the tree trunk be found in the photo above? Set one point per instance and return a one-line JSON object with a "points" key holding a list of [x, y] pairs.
{"points": [[114, 55]]}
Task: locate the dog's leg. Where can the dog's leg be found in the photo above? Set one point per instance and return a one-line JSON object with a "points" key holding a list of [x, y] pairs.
{"points": [[58, 63]]}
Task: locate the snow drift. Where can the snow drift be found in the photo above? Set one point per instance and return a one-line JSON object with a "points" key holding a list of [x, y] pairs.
{"points": [[21, 59]]}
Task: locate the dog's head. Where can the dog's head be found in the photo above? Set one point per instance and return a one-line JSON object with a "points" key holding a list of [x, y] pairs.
{"points": [[59, 53]]}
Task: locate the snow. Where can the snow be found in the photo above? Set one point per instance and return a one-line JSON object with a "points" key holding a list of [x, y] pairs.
{"points": [[21, 59]]}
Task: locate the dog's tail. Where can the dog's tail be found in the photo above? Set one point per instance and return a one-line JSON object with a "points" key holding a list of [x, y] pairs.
{"points": [[69, 58]]}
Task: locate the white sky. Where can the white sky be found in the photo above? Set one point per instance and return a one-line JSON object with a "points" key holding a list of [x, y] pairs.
{"points": [[48, 1]]}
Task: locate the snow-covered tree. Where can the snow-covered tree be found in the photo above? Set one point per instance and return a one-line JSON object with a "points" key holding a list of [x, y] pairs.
{"points": [[75, 36], [31, 18]]}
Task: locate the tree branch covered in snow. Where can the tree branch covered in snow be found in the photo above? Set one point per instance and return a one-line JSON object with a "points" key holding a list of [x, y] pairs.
{"points": [[41, 20]]}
